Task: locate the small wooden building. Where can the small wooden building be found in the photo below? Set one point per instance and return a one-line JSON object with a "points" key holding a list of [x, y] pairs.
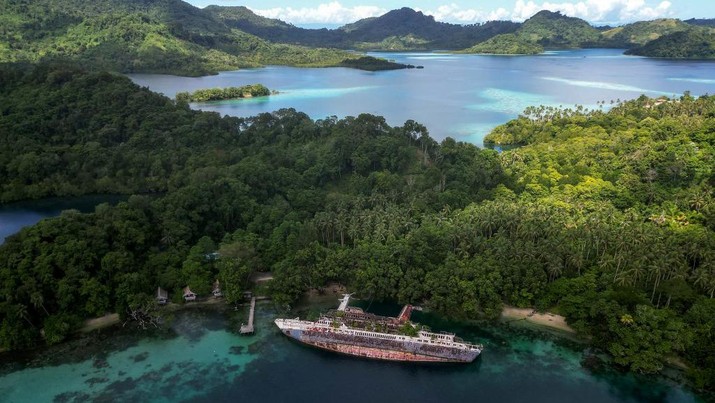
{"points": [[189, 295], [217, 289], [162, 296]]}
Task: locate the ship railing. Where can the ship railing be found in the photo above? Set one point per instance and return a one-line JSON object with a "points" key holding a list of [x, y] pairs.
{"points": [[296, 322], [438, 336], [387, 338]]}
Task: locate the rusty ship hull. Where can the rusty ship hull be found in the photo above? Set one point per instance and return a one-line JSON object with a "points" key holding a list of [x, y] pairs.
{"points": [[349, 330], [379, 349]]}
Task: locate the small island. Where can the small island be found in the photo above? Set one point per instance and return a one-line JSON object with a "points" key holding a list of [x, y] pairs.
{"points": [[224, 94], [506, 44], [370, 63]]}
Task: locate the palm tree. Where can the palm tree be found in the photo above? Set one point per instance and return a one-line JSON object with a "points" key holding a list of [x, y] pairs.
{"points": [[699, 200], [38, 301], [636, 273], [705, 278], [21, 313]]}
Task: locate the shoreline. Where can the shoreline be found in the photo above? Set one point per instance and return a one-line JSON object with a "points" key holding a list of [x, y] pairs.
{"points": [[509, 314], [102, 322], [547, 320], [112, 319]]}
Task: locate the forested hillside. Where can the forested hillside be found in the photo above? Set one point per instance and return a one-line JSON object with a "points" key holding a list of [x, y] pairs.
{"points": [[605, 217], [167, 33], [703, 22], [273, 30], [267, 180], [555, 30], [506, 44], [407, 29], [544, 30], [403, 29], [696, 43], [67, 132], [642, 32], [157, 36]]}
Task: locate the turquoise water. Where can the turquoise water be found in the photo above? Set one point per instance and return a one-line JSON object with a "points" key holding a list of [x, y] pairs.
{"points": [[197, 355], [461, 96], [198, 359]]}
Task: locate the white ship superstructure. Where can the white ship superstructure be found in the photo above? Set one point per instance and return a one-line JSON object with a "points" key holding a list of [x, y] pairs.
{"points": [[351, 331]]}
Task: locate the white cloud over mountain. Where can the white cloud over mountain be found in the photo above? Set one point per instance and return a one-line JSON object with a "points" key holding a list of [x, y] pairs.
{"points": [[326, 13], [595, 11], [454, 13], [613, 11]]}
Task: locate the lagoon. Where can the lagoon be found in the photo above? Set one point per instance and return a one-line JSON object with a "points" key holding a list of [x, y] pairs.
{"points": [[458, 96], [200, 359]]}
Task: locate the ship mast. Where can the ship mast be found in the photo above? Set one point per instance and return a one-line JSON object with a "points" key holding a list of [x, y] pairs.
{"points": [[344, 302], [405, 313]]}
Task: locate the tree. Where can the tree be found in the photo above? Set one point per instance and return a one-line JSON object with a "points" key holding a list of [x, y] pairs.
{"points": [[643, 342], [58, 327]]}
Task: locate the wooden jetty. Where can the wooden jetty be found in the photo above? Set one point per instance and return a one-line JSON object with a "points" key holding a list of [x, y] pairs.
{"points": [[248, 328]]}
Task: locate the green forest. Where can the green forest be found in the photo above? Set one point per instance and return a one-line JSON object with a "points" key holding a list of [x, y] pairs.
{"points": [[506, 44], [406, 29], [155, 36], [370, 63], [221, 94], [641, 32], [174, 37], [691, 44], [396, 30], [605, 216]]}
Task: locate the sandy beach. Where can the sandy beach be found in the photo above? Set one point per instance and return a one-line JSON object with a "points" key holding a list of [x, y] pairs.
{"points": [[547, 319], [100, 323]]}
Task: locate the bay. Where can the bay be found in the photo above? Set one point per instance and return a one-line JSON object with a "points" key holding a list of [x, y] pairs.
{"points": [[15, 216], [460, 96], [463, 96], [200, 359]]}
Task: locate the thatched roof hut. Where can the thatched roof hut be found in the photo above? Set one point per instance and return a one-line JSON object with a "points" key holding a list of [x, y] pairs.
{"points": [[162, 296], [188, 294], [217, 289]]}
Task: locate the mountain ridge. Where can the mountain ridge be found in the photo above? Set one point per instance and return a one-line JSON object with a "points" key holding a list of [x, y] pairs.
{"points": [[174, 37], [148, 36], [374, 33], [406, 29]]}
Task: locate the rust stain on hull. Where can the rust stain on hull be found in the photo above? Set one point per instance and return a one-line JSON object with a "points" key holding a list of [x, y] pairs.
{"points": [[377, 354]]}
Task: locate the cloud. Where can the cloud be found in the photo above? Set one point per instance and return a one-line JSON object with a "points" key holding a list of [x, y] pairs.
{"points": [[595, 11], [600, 11], [454, 13], [326, 13]]}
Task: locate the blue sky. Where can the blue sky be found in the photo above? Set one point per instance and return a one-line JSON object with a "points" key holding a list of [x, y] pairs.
{"points": [[601, 12]]}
